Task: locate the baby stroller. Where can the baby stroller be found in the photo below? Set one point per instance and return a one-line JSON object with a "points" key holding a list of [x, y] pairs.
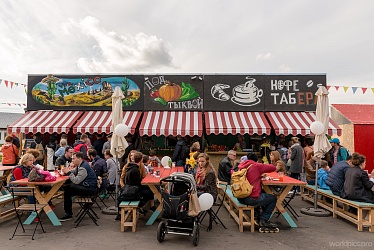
{"points": [[175, 203]]}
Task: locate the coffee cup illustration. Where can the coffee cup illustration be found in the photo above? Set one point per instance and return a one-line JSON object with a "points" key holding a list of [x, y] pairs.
{"points": [[247, 94]]}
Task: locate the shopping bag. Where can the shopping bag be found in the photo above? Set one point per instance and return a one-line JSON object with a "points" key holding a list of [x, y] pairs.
{"points": [[194, 205]]}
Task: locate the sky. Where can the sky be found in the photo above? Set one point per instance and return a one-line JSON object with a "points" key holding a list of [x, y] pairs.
{"points": [[335, 38]]}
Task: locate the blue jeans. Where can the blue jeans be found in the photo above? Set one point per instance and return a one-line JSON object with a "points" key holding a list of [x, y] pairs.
{"points": [[266, 201]]}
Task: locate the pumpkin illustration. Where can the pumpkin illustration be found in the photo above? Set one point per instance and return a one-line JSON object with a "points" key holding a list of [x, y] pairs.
{"points": [[170, 92]]}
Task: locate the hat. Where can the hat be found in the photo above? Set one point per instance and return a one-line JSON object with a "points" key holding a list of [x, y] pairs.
{"points": [[335, 140]]}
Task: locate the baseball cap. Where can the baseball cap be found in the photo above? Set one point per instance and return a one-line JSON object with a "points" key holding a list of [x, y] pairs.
{"points": [[335, 140]]}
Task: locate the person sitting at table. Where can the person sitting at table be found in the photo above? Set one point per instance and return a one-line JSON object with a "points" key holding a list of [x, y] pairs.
{"points": [[206, 180], [258, 199], [323, 172], [100, 167], [357, 186], [61, 150], [22, 170], [130, 158], [133, 177], [225, 166], [274, 157], [65, 159], [191, 161], [335, 179], [112, 169], [10, 152], [280, 167], [83, 181]]}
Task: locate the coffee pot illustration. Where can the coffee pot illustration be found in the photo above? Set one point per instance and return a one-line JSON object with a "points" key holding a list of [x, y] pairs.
{"points": [[247, 94]]}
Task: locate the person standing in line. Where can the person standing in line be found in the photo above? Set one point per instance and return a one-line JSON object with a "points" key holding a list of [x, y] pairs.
{"points": [[178, 152], [337, 152], [297, 160], [98, 145]]}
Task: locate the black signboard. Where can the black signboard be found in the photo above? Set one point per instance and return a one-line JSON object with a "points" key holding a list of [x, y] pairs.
{"points": [[83, 92], [292, 92], [234, 92], [173, 92]]}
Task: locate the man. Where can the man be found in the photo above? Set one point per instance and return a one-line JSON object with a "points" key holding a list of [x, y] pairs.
{"points": [[98, 145], [178, 152], [337, 152], [258, 199], [335, 179], [99, 166], [107, 143], [80, 146], [83, 182], [65, 159], [226, 165], [297, 158]]}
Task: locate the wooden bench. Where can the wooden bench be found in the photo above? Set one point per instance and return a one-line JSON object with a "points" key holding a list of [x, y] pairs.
{"points": [[327, 200], [128, 208], [7, 212], [236, 209]]}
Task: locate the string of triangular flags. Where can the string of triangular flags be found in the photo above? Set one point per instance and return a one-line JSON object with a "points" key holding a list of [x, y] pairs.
{"points": [[10, 84], [345, 88], [13, 104]]}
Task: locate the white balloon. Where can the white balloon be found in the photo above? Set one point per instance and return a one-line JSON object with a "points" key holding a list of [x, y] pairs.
{"points": [[165, 161], [206, 201], [121, 129], [317, 128]]}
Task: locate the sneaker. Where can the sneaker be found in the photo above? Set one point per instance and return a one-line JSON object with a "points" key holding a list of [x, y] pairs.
{"points": [[52, 207], [66, 217], [36, 220], [104, 196]]}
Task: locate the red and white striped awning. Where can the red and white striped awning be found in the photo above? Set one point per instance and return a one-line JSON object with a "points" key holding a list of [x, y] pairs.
{"points": [[236, 123], [295, 123], [45, 122], [101, 122], [171, 123]]}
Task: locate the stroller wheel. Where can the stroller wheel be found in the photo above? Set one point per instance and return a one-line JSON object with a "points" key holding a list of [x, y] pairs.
{"points": [[161, 231], [195, 234]]}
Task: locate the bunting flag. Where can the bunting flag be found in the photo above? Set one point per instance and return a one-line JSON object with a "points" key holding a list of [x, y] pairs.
{"points": [[337, 88], [14, 104], [345, 89], [364, 90], [354, 89]]}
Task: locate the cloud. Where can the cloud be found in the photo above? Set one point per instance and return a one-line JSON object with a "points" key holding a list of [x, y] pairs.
{"points": [[261, 57], [112, 52]]}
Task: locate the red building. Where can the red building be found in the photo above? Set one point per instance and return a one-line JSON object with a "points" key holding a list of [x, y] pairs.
{"points": [[357, 124]]}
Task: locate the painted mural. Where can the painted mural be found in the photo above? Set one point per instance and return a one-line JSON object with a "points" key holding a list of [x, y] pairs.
{"points": [[90, 91]]}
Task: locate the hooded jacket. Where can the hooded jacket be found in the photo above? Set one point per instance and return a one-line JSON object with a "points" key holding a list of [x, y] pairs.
{"points": [[357, 186], [10, 153], [178, 154], [254, 175], [80, 146], [322, 176], [132, 176], [336, 177]]}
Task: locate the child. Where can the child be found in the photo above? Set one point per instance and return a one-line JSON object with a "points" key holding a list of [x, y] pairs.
{"points": [[193, 169], [154, 160], [146, 162], [322, 175], [280, 167]]}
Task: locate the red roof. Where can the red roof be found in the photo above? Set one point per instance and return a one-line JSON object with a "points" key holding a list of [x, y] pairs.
{"points": [[357, 113]]}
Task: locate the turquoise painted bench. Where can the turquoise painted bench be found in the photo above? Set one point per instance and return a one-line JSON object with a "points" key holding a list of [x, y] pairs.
{"points": [[129, 215], [327, 200], [236, 209], [7, 212]]}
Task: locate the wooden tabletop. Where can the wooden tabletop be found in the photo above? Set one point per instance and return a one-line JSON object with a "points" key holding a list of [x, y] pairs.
{"points": [[25, 181], [164, 172], [286, 180]]}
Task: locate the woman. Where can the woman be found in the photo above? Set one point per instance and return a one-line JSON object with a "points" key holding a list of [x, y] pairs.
{"points": [[130, 158], [357, 185], [10, 152], [22, 170], [274, 157], [206, 179]]}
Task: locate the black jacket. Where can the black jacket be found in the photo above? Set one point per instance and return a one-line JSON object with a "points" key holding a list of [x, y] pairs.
{"points": [[224, 169], [209, 185], [178, 152], [98, 146], [336, 177], [132, 176], [357, 186]]}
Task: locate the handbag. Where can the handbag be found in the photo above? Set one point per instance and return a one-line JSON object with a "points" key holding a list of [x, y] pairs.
{"points": [[35, 175], [129, 193], [194, 205]]}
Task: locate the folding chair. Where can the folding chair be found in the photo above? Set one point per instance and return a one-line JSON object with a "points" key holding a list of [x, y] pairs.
{"points": [[286, 204], [86, 203], [213, 215], [33, 208]]}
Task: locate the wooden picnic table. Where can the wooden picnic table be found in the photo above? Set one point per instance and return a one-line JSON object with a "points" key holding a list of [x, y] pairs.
{"points": [[287, 184], [43, 198], [152, 181]]}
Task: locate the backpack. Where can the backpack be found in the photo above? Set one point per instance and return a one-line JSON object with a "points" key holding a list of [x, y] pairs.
{"points": [[346, 149], [240, 186], [39, 146]]}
